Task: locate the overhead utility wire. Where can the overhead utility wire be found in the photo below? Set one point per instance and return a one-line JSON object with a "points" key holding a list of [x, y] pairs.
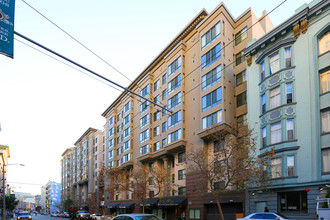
{"points": [[82, 45], [94, 73], [68, 65]]}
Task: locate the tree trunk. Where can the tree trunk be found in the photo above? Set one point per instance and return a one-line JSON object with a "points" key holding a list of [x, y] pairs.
{"points": [[143, 208], [220, 209]]}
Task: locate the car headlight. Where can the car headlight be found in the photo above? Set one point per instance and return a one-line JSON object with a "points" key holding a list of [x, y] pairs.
{"points": [[30, 217], [18, 217]]}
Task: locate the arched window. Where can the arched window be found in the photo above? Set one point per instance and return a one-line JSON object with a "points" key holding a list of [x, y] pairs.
{"points": [[324, 43]]}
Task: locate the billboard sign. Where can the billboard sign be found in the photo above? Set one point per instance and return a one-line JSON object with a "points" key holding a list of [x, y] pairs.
{"points": [[7, 10]]}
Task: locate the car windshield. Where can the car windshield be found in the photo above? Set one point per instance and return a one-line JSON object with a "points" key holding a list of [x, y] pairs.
{"points": [[147, 218], [24, 214]]}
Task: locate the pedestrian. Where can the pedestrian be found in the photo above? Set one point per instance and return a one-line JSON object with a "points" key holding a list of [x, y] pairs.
{"points": [[266, 209], [163, 215], [183, 215]]}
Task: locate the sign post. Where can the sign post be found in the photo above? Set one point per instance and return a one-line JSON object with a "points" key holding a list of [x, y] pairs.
{"points": [[7, 11]]}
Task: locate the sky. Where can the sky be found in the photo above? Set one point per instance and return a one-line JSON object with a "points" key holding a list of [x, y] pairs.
{"points": [[46, 105]]}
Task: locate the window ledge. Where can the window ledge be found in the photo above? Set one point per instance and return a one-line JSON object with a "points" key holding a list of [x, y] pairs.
{"points": [[324, 53], [325, 93], [325, 173], [325, 133], [267, 77]]}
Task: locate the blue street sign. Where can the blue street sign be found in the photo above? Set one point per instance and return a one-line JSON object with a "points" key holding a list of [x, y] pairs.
{"points": [[7, 11]]}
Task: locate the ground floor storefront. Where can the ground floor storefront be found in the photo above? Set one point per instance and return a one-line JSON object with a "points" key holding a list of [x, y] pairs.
{"points": [[293, 202]]}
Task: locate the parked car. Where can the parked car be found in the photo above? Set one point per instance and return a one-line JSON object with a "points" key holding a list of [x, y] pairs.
{"points": [[66, 215], [96, 216], [264, 216], [82, 215], [137, 217], [24, 215]]}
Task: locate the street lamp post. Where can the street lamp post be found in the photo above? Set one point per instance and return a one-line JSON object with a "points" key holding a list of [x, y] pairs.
{"points": [[4, 188]]}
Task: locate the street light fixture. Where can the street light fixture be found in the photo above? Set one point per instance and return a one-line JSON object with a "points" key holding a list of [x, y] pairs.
{"points": [[4, 187]]}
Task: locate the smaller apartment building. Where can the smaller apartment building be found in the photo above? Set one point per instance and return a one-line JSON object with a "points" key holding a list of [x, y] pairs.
{"points": [[288, 81], [81, 169]]}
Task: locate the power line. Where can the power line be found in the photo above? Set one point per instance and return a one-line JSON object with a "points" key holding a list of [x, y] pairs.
{"points": [[37, 184], [94, 73]]}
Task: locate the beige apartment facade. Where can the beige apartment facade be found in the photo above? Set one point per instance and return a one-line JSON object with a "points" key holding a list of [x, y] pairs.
{"points": [[200, 78]]}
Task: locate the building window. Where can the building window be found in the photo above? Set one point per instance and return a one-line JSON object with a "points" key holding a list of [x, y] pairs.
{"points": [[275, 135], [174, 119], [126, 158], [182, 157], [287, 57], [174, 101], [174, 84], [194, 214], [295, 201], [241, 99], [111, 142], [174, 66], [156, 131], [263, 106], [156, 85], [110, 121], [325, 82], [127, 119], [127, 107], [164, 79], [210, 35], [264, 136], [262, 71], [326, 160], [289, 93], [274, 63], [212, 99], [174, 136], [127, 145], [144, 149], [127, 132], [239, 58], [156, 146], [275, 97], [241, 78], [164, 126], [156, 115], [289, 129], [182, 174], [290, 165], [144, 135], [276, 167], [219, 185], [144, 106], [164, 142], [164, 94], [324, 43], [242, 120], [240, 36], [212, 119], [157, 99], [182, 191], [325, 121], [145, 91], [211, 56], [211, 77], [111, 132], [144, 121], [111, 154]]}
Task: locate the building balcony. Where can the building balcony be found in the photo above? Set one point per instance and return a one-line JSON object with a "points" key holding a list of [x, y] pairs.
{"points": [[214, 131], [169, 149]]}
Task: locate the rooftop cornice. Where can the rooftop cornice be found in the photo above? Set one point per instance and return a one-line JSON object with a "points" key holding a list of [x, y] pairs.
{"points": [[285, 26], [85, 134]]}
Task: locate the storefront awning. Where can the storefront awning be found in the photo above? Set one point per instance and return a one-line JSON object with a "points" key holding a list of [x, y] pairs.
{"points": [[150, 202], [112, 205], [172, 201], [125, 205]]}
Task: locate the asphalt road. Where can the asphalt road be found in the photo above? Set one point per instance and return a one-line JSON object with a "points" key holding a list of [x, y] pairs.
{"points": [[43, 217]]}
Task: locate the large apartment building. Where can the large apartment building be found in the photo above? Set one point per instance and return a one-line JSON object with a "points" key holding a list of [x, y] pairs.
{"points": [[289, 108], [201, 77], [81, 167]]}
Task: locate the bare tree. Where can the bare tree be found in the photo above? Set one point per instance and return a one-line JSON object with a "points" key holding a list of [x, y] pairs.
{"points": [[140, 180], [92, 203], [232, 164]]}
